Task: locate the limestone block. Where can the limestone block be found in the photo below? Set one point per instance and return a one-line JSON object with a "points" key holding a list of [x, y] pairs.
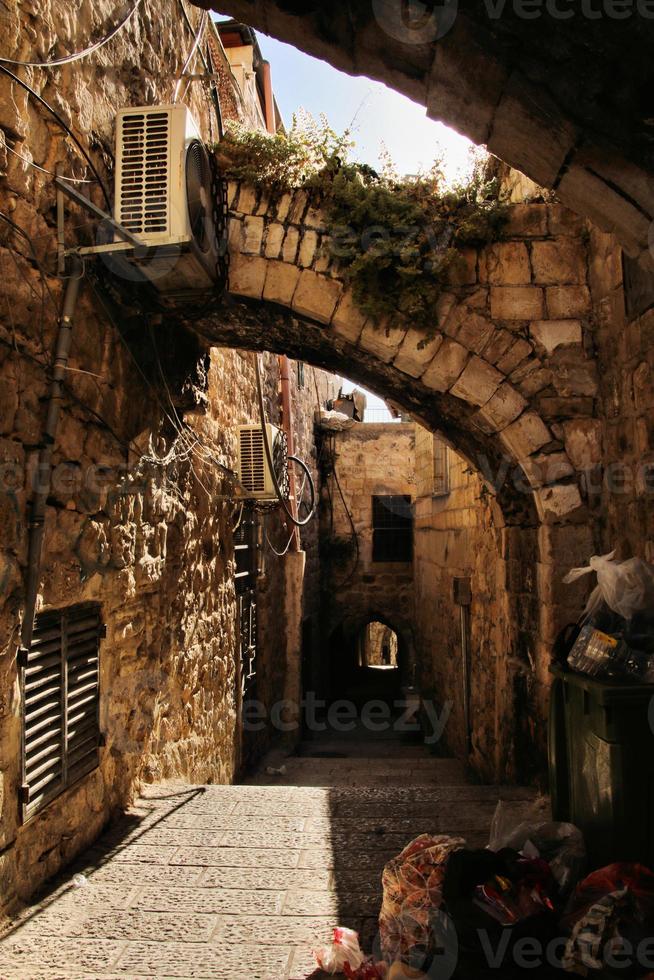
{"points": [[348, 320], [291, 242], [252, 235], [446, 366], [505, 264], [233, 187], [572, 374], [568, 301], [526, 436], [517, 302], [416, 353], [583, 442], [554, 503], [527, 220], [529, 131], [316, 296], [474, 331], [283, 207], [499, 344], [563, 221], [551, 334], [274, 239], [503, 408], [478, 382], [247, 275], [281, 283], [247, 199], [559, 263], [298, 207], [547, 468], [519, 350], [382, 340], [314, 218], [586, 193], [308, 249], [464, 85]]}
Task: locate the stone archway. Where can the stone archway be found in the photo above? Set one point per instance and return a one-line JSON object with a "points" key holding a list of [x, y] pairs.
{"points": [[548, 89], [508, 379]]}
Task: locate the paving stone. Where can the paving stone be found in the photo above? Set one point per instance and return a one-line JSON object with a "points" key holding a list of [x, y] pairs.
{"points": [[219, 901], [219, 961], [269, 930], [237, 857], [316, 879], [332, 903], [132, 924]]}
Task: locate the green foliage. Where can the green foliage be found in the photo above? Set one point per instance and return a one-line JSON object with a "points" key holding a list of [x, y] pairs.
{"points": [[397, 241]]}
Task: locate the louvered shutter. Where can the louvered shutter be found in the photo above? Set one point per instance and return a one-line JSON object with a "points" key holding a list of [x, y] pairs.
{"points": [[60, 685]]}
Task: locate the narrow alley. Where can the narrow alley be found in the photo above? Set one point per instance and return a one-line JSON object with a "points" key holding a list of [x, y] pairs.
{"points": [[246, 881]]}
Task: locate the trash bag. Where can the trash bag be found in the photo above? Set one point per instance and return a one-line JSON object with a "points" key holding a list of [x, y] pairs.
{"points": [[562, 845], [344, 951], [611, 919], [412, 884], [627, 587]]}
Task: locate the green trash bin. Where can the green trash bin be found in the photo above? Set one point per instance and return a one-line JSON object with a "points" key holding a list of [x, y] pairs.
{"points": [[601, 756]]}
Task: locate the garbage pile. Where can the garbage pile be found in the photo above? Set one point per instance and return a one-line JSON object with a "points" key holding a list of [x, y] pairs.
{"points": [[615, 637], [519, 906]]}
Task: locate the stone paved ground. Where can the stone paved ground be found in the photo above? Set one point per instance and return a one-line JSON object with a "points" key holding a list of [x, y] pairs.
{"points": [[242, 882]]}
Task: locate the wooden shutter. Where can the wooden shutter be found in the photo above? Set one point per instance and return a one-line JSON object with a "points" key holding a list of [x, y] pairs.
{"points": [[60, 687]]}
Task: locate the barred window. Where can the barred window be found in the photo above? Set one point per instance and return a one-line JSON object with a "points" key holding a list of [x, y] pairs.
{"points": [[441, 468], [392, 528], [60, 703]]}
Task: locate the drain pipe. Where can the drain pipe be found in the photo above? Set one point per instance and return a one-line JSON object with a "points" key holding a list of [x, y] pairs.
{"points": [[287, 425], [44, 469], [463, 598]]}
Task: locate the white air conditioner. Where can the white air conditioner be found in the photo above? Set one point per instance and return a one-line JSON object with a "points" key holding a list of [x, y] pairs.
{"points": [[252, 465], [164, 196]]}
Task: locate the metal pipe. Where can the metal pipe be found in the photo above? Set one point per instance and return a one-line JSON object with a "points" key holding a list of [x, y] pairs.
{"points": [[268, 98], [44, 469], [287, 425], [465, 664]]}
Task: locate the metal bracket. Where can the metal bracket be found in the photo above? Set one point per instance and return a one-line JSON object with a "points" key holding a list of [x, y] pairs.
{"points": [[128, 240]]}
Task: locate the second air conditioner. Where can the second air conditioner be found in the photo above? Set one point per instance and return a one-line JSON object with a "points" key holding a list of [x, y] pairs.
{"points": [[253, 470], [164, 195]]}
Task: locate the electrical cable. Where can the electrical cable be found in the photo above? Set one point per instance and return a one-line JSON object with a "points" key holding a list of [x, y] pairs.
{"points": [[50, 173], [64, 126], [194, 48], [69, 58], [269, 457]]}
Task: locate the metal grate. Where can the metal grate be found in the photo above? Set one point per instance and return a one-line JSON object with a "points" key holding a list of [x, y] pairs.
{"points": [[60, 687], [253, 460], [392, 528], [245, 547], [145, 172]]}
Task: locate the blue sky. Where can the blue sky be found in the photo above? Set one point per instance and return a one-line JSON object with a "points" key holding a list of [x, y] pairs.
{"points": [[381, 117]]}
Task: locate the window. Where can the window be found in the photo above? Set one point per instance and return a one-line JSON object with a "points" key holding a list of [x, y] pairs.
{"points": [[441, 468], [300, 374], [638, 284], [245, 548], [60, 703], [392, 528]]}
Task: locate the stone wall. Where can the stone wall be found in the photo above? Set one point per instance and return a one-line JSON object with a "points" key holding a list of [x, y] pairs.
{"points": [[457, 537], [140, 515]]}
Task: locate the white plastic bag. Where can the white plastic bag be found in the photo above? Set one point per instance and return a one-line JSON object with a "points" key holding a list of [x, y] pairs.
{"points": [[344, 950], [627, 587]]}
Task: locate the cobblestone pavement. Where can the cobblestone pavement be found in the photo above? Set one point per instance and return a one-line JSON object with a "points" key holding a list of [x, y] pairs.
{"points": [[242, 882]]}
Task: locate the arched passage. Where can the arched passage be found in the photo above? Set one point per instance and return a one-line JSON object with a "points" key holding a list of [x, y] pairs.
{"points": [[548, 89], [506, 379]]}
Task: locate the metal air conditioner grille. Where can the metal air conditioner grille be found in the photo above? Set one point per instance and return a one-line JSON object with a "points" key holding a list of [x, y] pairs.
{"points": [[145, 172], [60, 703], [253, 461]]}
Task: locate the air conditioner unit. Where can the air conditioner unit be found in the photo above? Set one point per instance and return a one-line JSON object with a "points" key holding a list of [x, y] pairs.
{"points": [[252, 466], [164, 196]]}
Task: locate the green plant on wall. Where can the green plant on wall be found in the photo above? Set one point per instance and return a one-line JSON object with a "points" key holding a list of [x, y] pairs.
{"points": [[396, 240]]}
